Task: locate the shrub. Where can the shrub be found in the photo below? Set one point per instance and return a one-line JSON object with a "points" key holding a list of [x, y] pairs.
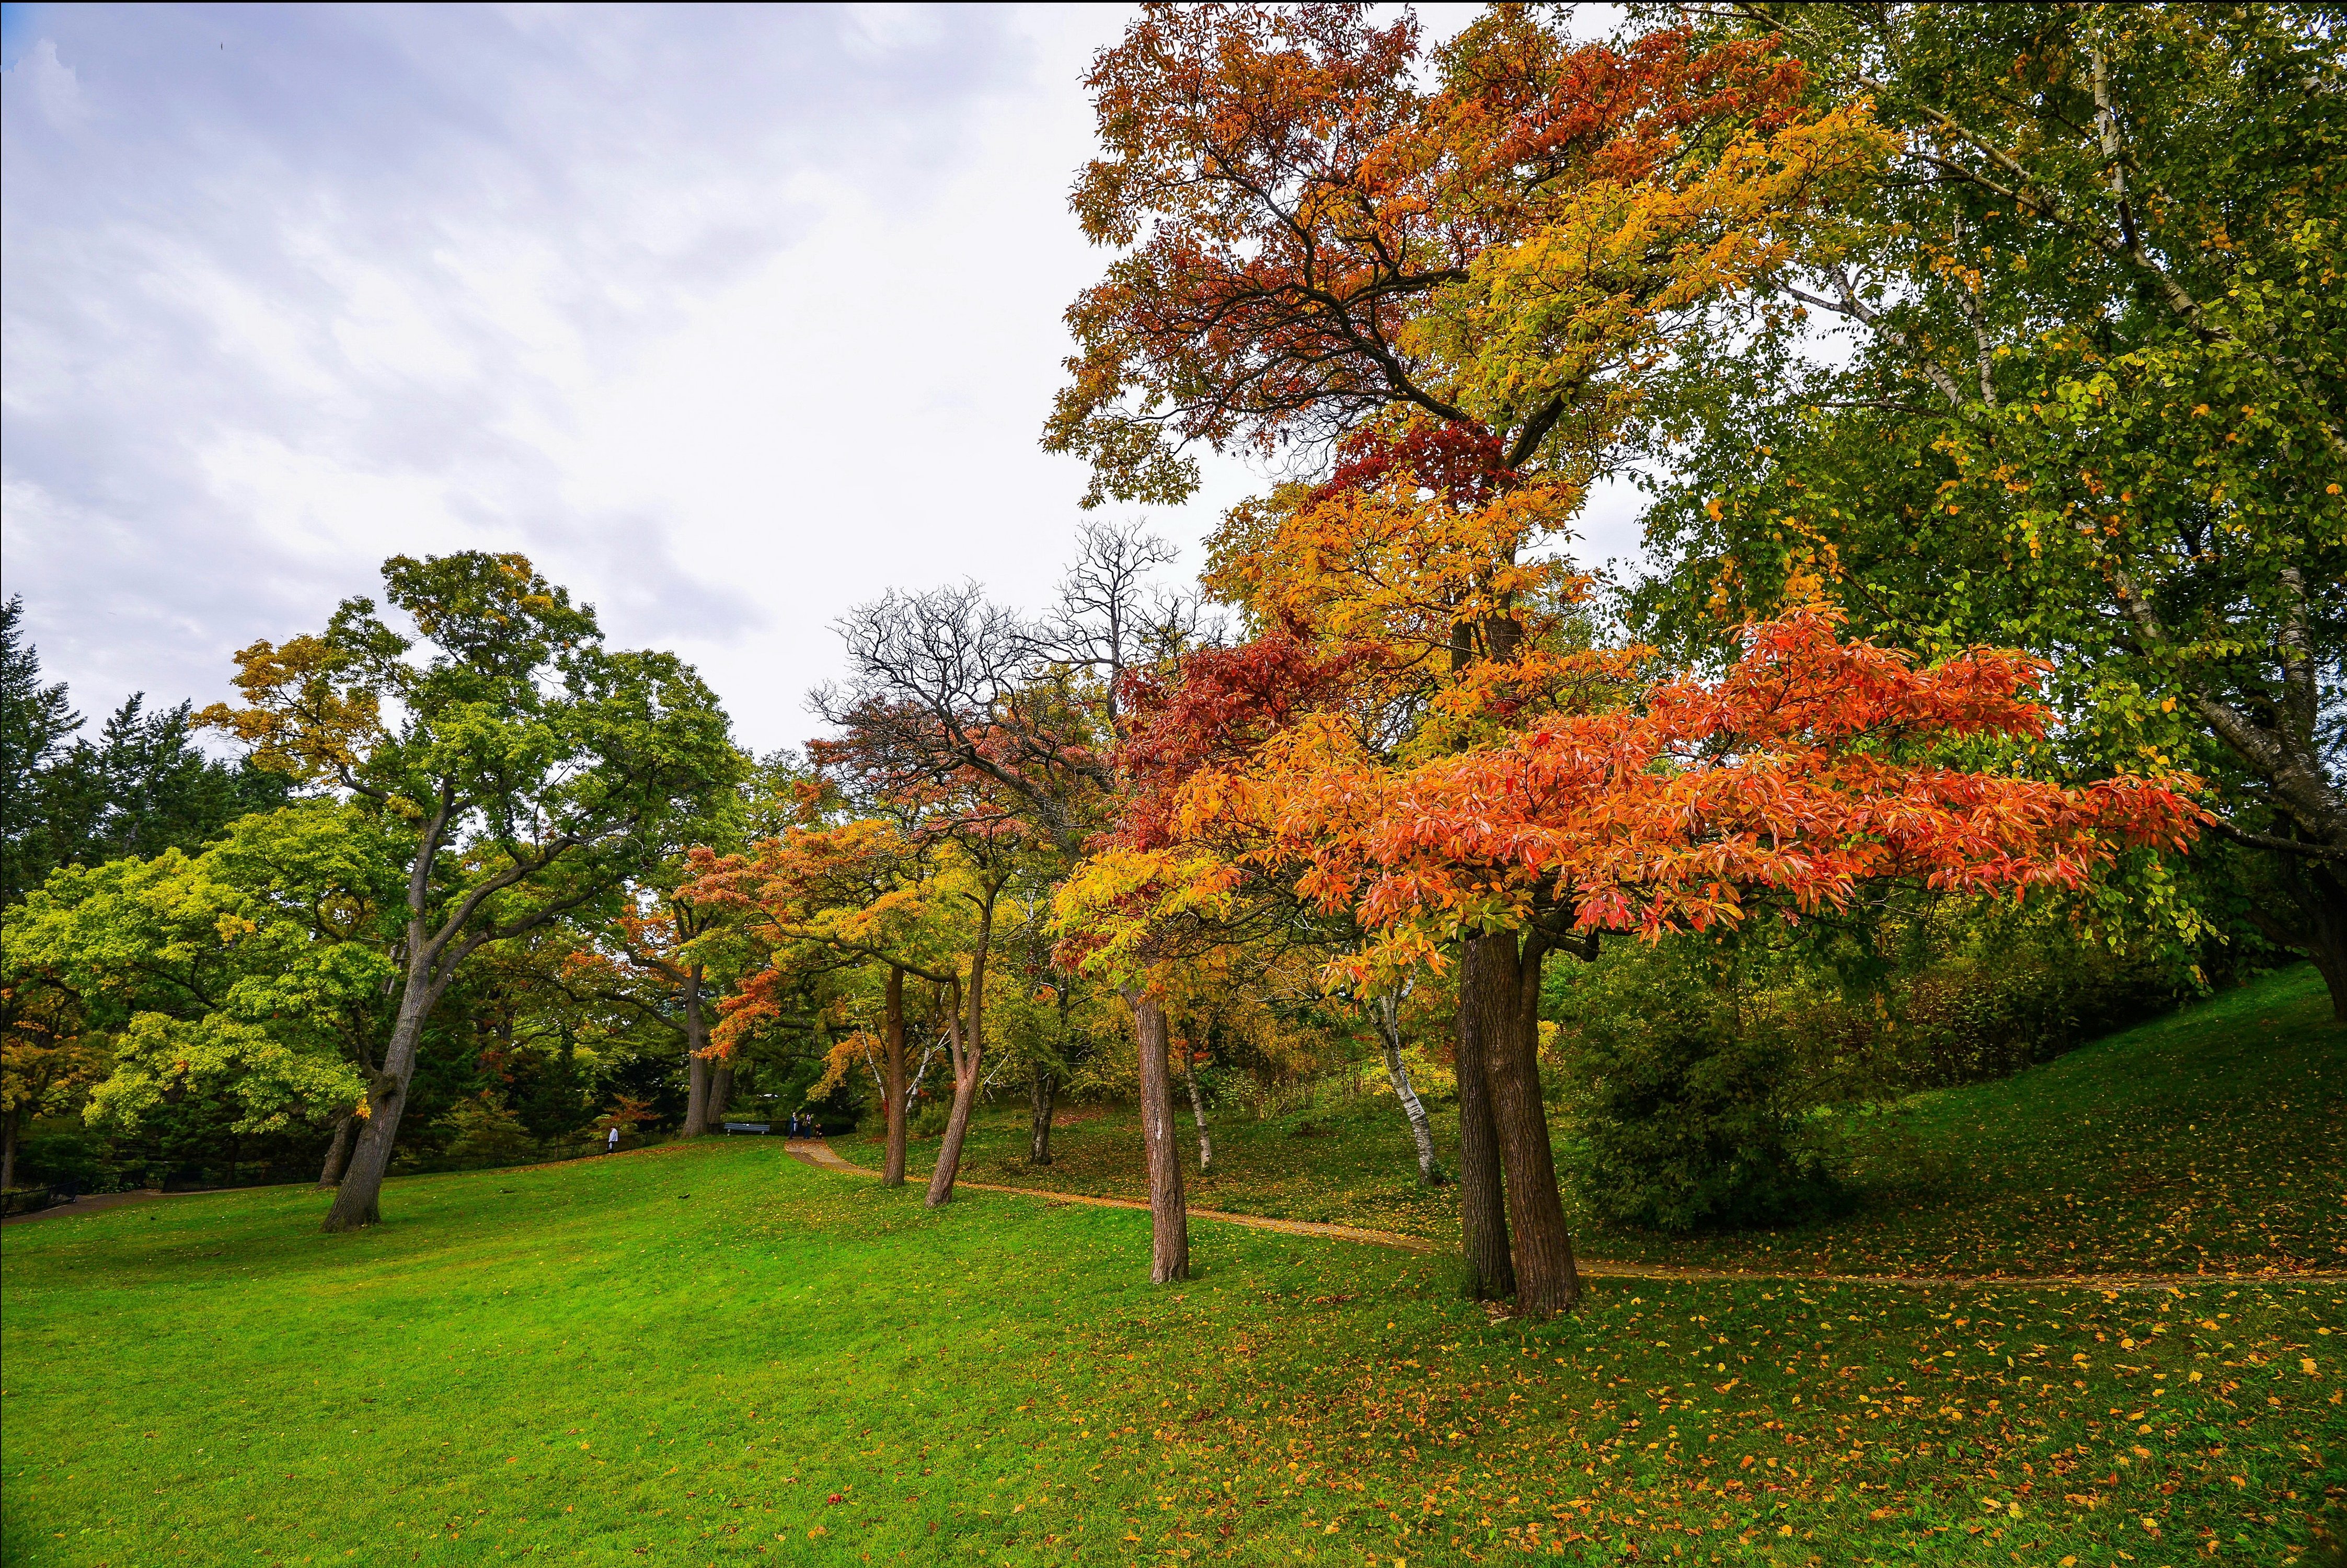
{"points": [[484, 1133], [1970, 1019], [61, 1158], [1685, 1121]]}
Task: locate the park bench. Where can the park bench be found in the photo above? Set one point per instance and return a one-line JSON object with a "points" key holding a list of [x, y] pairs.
{"points": [[761, 1128]]}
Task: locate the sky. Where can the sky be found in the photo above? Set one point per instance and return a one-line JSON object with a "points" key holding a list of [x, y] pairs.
{"points": [[730, 319]]}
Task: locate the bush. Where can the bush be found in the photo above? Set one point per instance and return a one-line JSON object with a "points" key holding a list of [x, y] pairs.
{"points": [[69, 1158], [1972, 1019], [484, 1133], [1686, 1122]]}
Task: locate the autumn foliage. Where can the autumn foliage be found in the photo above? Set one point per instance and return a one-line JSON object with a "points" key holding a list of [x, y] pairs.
{"points": [[1814, 767], [1311, 239]]}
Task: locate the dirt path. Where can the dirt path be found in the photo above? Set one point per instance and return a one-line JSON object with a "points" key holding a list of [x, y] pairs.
{"points": [[816, 1152], [95, 1204]]}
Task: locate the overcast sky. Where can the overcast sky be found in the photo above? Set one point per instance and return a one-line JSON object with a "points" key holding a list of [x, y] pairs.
{"points": [[730, 319]]}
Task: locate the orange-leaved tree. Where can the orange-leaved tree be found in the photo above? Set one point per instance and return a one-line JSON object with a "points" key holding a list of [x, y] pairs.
{"points": [[1444, 294], [976, 835], [647, 959], [859, 889], [46, 1062], [1815, 771], [980, 729]]}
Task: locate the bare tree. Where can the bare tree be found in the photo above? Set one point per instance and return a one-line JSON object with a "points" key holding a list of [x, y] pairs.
{"points": [[1001, 732]]}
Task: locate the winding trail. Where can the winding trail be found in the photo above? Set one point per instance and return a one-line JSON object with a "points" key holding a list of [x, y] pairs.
{"points": [[819, 1153]]}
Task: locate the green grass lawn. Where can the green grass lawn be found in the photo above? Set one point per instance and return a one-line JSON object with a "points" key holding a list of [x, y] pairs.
{"points": [[717, 1355], [710, 1353], [2214, 1140]]}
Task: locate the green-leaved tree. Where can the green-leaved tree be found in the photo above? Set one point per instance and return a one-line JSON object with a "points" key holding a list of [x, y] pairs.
{"points": [[259, 971], [2093, 399], [529, 769]]}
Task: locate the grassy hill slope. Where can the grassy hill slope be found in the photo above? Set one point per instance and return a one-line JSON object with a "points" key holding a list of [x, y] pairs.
{"points": [[719, 1355], [2214, 1139]]}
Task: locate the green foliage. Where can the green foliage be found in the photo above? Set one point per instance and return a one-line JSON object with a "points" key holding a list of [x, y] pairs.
{"points": [[534, 768], [258, 969], [2091, 403], [61, 1153], [1688, 1117], [141, 787], [33, 719], [481, 1131], [1975, 1018], [551, 1091]]}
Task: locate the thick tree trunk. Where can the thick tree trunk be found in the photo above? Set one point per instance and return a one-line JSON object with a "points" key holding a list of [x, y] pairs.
{"points": [[358, 1201], [892, 1173], [721, 1093], [1169, 1221], [696, 1066], [1043, 1092], [1546, 1281], [1490, 1272], [1429, 1169], [1198, 1113], [338, 1153]]}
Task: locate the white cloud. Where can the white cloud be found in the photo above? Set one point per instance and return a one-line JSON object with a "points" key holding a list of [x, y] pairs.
{"points": [[730, 318], [55, 89]]}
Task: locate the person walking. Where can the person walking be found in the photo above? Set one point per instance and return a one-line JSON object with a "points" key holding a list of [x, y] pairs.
{"points": [[611, 1144]]}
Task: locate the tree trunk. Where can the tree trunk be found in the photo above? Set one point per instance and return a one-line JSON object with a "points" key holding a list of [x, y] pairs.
{"points": [[965, 1071], [1042, 1092], [358, 1202], [948, 1166], [1168, 1222], [338, 1153], [1509, 1000], [1198, 1113], [892, 1173], [9, 1149], [2321, 899], [966, 1059], [1490, 1272], [1429, 1169], [696, 1066], [721, 1090]]}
